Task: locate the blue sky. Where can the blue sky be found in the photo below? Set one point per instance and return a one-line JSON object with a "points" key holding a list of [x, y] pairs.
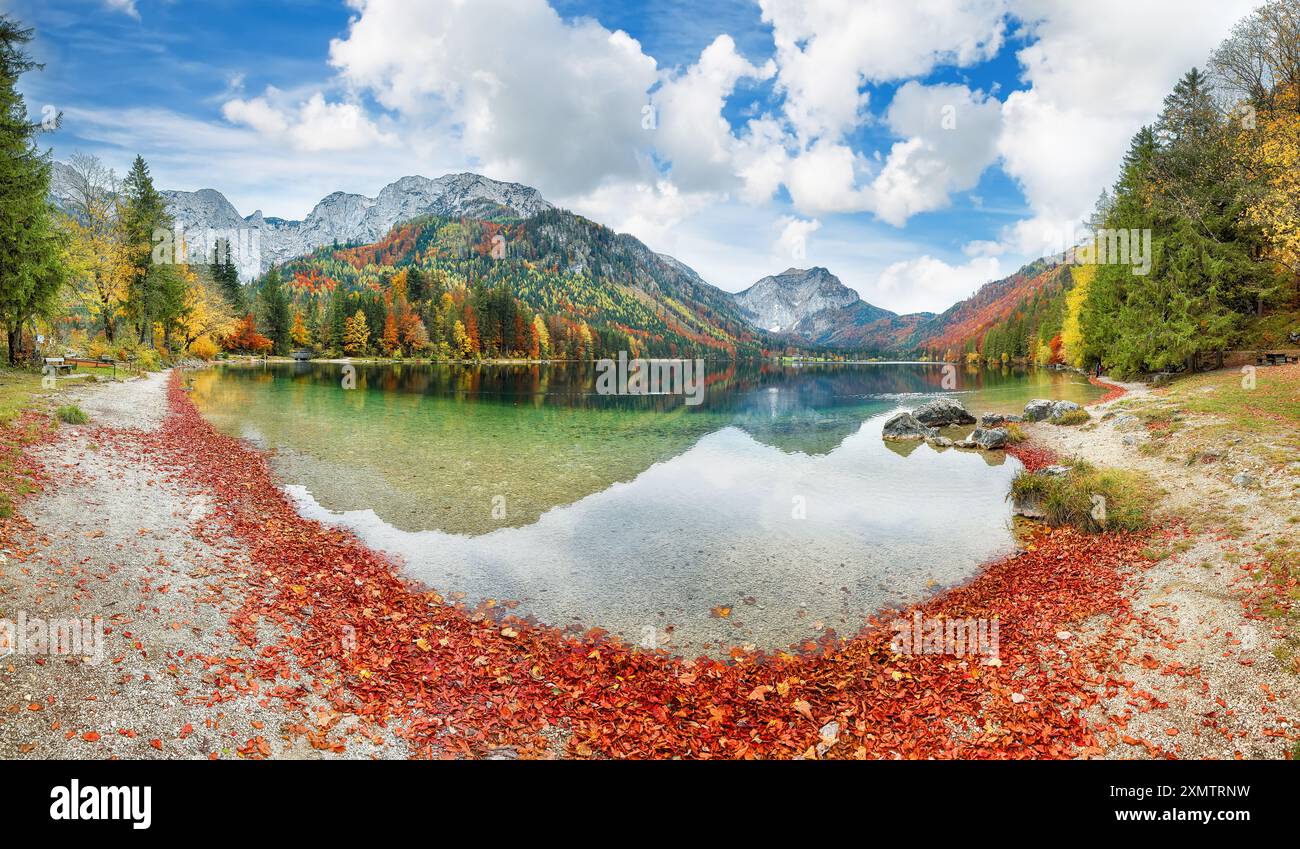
{"points": [[917, 148]]}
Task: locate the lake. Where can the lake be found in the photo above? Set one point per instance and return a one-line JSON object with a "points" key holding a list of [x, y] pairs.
{"points": [[774, 498]]}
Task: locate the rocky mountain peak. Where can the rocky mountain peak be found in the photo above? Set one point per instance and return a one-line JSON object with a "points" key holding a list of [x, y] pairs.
{"points": [[780, 302], [258, 241]]}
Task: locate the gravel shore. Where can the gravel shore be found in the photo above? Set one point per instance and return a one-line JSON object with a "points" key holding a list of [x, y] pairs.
{"points": [[1226, 694], [113, 540]]}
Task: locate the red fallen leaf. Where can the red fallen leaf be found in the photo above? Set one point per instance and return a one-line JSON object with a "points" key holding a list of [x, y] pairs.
{"points": [[186, 730], [156, 743], [90, 736], [759, 693], [1172, 732], [621, 702]]}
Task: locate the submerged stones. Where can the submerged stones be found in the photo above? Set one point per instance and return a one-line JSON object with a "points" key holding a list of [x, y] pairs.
{"points": [[904, 427], [943, 412], [997, 419]]}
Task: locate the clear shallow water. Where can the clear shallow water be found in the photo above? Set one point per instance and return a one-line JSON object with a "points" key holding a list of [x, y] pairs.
{"points": [[776, 497]]}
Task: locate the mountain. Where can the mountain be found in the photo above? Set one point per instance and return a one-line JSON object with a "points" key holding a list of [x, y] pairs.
{"points": [[991, 305], [343, 218], [813, 306], [257, 241], [578, 268], [553, 263]]}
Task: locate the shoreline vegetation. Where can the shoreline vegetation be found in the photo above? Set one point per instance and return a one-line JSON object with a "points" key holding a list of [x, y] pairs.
{"points": [[328, 640]]}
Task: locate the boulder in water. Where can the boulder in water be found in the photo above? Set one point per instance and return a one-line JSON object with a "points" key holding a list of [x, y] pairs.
{"points": [[904, 426], [943, 412]]}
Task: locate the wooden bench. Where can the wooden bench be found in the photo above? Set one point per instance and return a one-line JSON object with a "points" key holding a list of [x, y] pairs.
{"points": [[58, 366]]}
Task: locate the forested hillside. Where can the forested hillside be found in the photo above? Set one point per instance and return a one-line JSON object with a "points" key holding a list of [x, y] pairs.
{"points": [[552, 285], [1216, 181]]}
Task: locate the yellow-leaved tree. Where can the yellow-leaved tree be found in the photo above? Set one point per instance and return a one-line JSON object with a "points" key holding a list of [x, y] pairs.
{"points": [[98, 262], [356, 334], [1073, 345], [1274, 150], [299, 333], [204, 317]]}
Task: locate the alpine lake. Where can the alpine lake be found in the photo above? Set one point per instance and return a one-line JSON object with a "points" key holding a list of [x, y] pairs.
{"points": [[763, 516]]}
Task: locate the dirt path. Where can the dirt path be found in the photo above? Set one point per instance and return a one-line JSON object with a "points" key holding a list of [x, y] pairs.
{"points": [[112, 547], [1221, 675]]}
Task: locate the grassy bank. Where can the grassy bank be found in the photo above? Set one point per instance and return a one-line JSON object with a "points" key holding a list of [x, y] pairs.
{"points": [[20, 391], [1089, 499]]}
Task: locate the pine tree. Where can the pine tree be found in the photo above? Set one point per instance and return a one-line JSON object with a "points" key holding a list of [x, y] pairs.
{"points": [[275, 311], [144, 222], [31, 267], [226, 275], [416, 288]]}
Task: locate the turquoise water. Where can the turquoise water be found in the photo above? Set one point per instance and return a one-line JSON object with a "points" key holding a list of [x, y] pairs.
{"points": [[775, 497]]}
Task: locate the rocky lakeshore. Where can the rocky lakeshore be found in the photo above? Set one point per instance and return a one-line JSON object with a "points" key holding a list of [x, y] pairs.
{"points": [[236, 628]]}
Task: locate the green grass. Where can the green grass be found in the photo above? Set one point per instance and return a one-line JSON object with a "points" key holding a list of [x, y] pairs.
{"points": [[1073, 417], [16, 390], [1126, 497], [1266, 403], [19, 390], [1015, 435], [72, 414]]}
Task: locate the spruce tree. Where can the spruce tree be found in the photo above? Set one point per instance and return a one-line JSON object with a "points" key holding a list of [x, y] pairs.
{"points": [[31, 267], [226, 275], [144, 217], [276, 316]]}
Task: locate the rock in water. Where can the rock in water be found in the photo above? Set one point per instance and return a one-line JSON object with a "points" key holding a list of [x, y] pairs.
{"points": [[989, 438], [997, 419], [905, 426], [943, 412], [1038, 410]]}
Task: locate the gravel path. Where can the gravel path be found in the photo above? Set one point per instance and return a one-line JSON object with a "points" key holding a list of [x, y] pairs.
{"points": [[1226, 693], [113, 540]]}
